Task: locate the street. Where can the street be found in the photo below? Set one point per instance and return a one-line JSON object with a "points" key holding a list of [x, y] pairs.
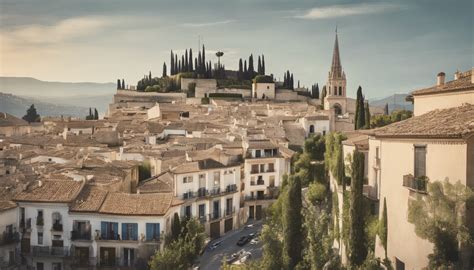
{"points": [[212, 259]]}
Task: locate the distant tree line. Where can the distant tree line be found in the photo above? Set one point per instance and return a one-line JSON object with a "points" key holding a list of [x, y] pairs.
{"points": [[93, 115], [247, 72], [315, 91], [288, 81]]}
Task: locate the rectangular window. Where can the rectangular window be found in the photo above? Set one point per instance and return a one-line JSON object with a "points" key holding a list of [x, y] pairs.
{"points": [[257, 153], [202, 210], [153, 231], [254, 168], [272, 181], [187, 179], [420, 161], [40, 238], [130, 231], [57, 266], [271, 167], [39, 266], [262, 167], [217, 179], [188, 211], [109, 230]]}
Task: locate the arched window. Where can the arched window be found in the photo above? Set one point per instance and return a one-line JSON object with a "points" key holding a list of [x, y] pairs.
{"points": [[337, 109], [335, 90], [340, 90], [311, 129]]}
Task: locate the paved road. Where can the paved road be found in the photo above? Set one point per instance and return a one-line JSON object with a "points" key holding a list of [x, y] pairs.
{"points": [[212, 259]]}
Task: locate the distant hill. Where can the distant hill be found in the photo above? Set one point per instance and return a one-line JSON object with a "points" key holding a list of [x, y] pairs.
{"points": [[17, 106], [83, 94], [24, 86], [395, 102]]}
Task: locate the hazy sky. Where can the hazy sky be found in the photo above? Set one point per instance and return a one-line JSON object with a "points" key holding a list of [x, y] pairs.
{"points": [[386, 47]]}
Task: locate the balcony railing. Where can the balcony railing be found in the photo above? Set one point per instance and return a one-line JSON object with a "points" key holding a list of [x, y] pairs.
{"points": [[229, 211], [42, 251], [81, 235], [109, 236], [260, 182], [261, 197], [215, 191], [214, 215], [231, 188], [202, 192], [188, 195], [57, 227], [417, 184], [9, 238]]}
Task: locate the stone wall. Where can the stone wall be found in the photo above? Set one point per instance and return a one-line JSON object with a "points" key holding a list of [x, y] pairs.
{"points": [[288, 95]]}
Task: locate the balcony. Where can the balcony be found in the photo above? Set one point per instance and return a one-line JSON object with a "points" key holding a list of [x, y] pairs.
{"points": [[215, 191], [214, 215], [9, 238], [39, 221], [229, 211], [81, 235], [46, 251], [260, 182], [261, 197], [109, 236], [231, 188], [416, 184], [58, 227], [202, 192], [188, 195]]}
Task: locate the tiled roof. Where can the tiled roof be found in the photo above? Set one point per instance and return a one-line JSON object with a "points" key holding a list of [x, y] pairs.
{"points": [[200, 165], [156, 204], [52, 192], [462, 83], [158, 184], [6, 205], [455, 122], [262, 144], [89, 200], [361, 141], [10, 120], [317, 117]]}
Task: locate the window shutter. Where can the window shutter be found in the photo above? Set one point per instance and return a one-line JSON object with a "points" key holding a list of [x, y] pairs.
{"points": [[125, 235], [149, 231], [135, 231], [103, 229], [115, 224], [158, 229]]}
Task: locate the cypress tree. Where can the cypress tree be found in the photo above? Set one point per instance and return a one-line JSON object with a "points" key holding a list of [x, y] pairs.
{"points": [[340, 170], [191, 69], [172, 64], [199, 65], [179, 66], [251, 70], [175, 227], [123, 84], [186, 62], [259, 68], [292, 85], [323, 95], [96, 114], [383, 228], [263, 64], [298, 84], [359, 119], [367, 115], [196, 65], [316, 92], [385, 111], [164, 70], [293, 222], [241, 69], [149, 75], [287, 79], [183, 64], [246, 70], [203, 57], [176, 71], [118, 84], [357, 247]]}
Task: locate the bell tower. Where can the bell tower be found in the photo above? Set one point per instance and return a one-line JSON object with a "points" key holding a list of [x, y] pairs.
{"points": [[336, 84]]}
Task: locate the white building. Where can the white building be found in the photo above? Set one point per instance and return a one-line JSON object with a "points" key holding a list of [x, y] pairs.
{"points": [[9, 236], [264, 167]]}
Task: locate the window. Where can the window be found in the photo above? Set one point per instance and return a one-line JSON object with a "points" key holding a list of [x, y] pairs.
{"points": [[128, 256], [262, 167], [311, 129], [188, 211], [130, 231], [254, 168], [39, 266], [202, 180], [202, 210], [217, 178], [152, 231], [109, 230], [257, 153], [271, 167], [420, 160], [187, 179], [57, 266], [40, 238], [272, 181]]}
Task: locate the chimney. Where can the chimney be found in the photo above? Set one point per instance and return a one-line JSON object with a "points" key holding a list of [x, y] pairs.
{"points": [[441, 77], [457, 75]]}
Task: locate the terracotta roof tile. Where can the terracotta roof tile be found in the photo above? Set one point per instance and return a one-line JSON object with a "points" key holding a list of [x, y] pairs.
{"points": [[463, 82], [156, 204], [52, 191], [89, 200]]}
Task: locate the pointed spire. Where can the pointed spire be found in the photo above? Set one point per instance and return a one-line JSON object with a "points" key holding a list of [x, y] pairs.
{"points": [[336, 68]]}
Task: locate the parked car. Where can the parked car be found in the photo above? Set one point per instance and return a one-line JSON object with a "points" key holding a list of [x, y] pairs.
{"points": [[247, 255], [252, 235], [215, 245], [254, 241], [243, 240]]}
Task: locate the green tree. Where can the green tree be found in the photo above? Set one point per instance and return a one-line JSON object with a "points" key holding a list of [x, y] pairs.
{"points": [[292, 84], [360, 110], [175, 227], [164, 70], [241, 70], [383, 228], [263, 64], [272, 249], [292, 223], [118, 84], [319, 249], [123, 84], [259, 67], [367, 115], [440, 217], [172, 72], [191, 68], [357, 248], [385, 110], [315, 146], [96, 114], [340, 172]]}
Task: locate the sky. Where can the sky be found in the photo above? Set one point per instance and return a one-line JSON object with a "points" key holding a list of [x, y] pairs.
{"points": [[386, 46]]}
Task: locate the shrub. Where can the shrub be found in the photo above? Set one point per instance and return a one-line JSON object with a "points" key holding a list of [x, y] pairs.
{"points": [[316, 193], [263, 79]]}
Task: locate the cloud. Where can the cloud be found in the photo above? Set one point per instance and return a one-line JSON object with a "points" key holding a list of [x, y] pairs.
{"points": [[334, 11], [61, 31], [207, 23]]}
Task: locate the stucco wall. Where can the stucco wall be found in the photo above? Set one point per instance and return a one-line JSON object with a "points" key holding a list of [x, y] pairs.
{"points": [[426, 103]]}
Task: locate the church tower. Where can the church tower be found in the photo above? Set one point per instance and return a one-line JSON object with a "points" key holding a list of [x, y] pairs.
{"points": [[336, 84]]}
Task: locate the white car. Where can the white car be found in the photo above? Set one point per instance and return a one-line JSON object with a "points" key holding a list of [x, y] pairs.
{"points": [[254, 241]]}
